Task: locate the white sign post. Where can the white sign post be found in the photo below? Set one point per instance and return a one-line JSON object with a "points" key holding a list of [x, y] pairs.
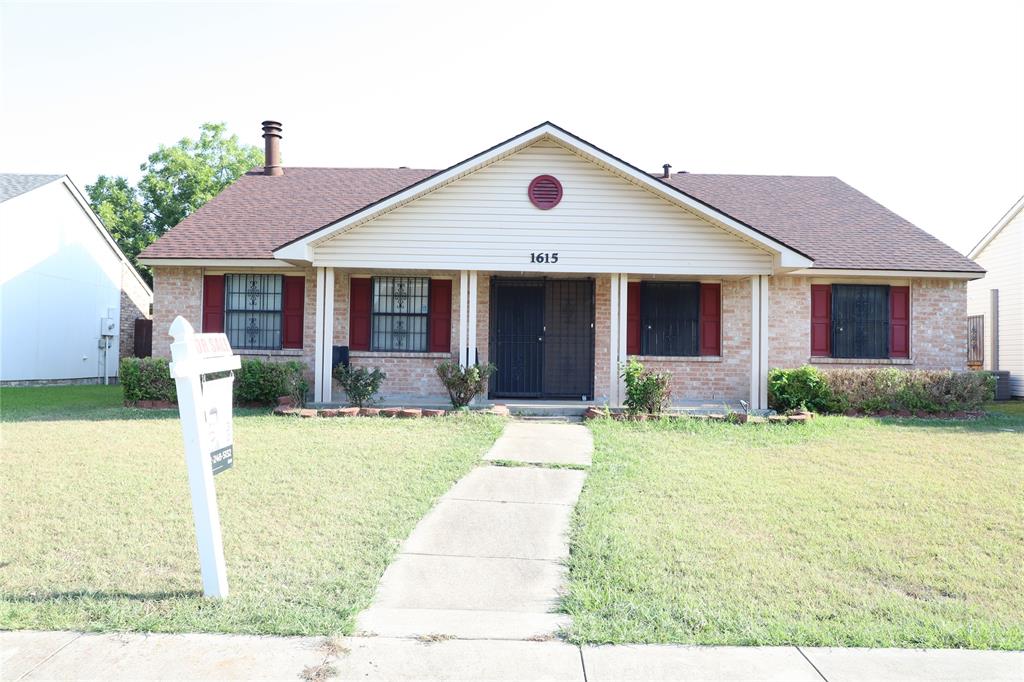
{"points": [[206, 428]]}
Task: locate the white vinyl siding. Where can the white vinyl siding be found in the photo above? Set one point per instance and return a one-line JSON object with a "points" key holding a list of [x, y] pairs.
{"points": [[1003, 259], [485, 221]]}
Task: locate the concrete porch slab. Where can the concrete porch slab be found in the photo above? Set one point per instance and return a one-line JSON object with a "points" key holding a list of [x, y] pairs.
{"points": [[416, 581], [538, 443], [380, 658], [465, 624], [519, 484], [926, 665], [509, 530], [656, 662]]}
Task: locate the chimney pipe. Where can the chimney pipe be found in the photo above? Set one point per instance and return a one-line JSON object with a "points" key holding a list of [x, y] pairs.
{"points": [[272, 153], [666, 170]]}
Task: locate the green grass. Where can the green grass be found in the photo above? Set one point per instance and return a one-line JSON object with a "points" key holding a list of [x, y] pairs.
{"points": [[843, 532], [97, 532]]}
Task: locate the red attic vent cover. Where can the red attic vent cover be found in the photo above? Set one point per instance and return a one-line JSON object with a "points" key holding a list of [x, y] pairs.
{"points": [[545, 191]]}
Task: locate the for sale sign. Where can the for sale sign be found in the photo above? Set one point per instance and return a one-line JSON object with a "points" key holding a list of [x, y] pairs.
{"points": [[217, 410]]}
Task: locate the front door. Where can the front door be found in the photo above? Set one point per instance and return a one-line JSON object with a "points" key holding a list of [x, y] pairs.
{"points": [[542, 338]]}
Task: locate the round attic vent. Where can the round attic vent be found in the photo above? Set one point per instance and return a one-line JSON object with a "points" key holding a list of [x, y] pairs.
{"points": [[545, 191]]}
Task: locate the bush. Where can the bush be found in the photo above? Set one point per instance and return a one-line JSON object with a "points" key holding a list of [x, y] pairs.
{"points": [[147, 379], [360, 384], [803, 388], [647, 391], [464, 384], [264, 381], [891, 389]]}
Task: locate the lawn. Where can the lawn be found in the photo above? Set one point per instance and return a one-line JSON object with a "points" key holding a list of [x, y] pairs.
{"points": [[843, 532], [97, 531]]}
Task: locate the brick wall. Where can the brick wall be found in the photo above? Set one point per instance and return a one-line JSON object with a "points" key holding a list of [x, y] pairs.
{"points": [[135, 302], [176, 291], [938, 337], [602, 337], [726, 378]]}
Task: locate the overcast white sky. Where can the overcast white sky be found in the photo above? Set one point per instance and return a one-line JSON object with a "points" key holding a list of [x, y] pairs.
{"points": [[919, 105]]}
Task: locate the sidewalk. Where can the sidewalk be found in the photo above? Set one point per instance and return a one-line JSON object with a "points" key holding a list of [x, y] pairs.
{"points": [[28, 655], [487, 562]]}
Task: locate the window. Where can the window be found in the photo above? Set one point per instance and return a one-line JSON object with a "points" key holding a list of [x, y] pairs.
{"points": [[860, 321], [253, 310], [669, 318], [400, 309]]}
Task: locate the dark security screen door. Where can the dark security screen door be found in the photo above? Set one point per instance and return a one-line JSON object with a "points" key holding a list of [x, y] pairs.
{"points": [[542, 338], [517, 320]]}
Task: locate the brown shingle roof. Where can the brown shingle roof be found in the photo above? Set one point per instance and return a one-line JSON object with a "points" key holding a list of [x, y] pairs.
{"points": [[827, 220], [822, 217]]}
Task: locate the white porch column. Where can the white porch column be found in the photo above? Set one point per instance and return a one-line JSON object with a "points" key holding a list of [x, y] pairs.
{"points": [[471, 351], [763, 395], [463, 317], [318, 348], [614, 399], [328, 336], [759, 342], [620, 349]]}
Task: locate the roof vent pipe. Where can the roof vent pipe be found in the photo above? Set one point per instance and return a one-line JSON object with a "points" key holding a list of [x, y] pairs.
{"points": [[666, 170], [272, 152]]}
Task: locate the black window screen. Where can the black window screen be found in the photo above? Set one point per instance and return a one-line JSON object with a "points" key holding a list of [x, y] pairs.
{"points": [[860, 321], [400, 308], [252, 311], [669, 313]]}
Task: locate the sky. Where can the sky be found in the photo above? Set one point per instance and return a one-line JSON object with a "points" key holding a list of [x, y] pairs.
{"points": [[920, 105]]}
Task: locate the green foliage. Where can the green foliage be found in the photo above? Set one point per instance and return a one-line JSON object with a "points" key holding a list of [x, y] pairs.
{"points": [[801, 388], [464, 384], [176, 182], [360, 384], [264, 381], [647, 391], [117, 204], [147, 379]]}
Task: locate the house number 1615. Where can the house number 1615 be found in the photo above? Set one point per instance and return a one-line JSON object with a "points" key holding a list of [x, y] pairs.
{"points": [[544, 257]]}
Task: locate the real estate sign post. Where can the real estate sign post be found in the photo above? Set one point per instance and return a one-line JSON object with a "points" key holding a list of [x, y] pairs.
{"points": [[205, 409]]}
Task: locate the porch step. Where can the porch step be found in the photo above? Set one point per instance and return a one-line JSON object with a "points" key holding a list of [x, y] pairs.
{"points": [[569, 419], [544, 409]]}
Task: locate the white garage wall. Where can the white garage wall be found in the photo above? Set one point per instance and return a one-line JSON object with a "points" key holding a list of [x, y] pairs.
{"points": [[58, 278]]}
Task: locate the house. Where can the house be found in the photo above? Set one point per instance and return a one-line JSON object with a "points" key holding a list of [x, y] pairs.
{"points": [[996, 304], [556, 261], [68, 296]]}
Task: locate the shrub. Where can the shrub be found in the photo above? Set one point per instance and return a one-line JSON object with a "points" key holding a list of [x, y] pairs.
{"points": [[876, 390], [647, 391], [147, 379], [803, 388], [264, 381], [361, 384], [464, 384]]}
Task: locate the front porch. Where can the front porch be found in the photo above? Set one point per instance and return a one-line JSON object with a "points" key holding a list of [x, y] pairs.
{"points": [[551, 337]]}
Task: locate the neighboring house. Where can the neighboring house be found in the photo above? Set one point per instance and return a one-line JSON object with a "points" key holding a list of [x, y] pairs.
{"points": [[557, 261], [998, 300], [68, 296]]}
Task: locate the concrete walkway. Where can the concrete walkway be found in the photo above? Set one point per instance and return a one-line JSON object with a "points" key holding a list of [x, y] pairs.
{"points": [[487, 561], [28, 655]]}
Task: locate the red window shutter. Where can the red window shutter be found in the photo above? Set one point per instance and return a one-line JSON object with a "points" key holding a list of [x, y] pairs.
{"points": [[440, 322], [633, 318], [294, 295], [710, 319], [360, 304], [899, 322], [213, 303], [821, 320]]}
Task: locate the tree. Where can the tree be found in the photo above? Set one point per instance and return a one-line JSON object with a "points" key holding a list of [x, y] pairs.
{"points": [[176, 182]]}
